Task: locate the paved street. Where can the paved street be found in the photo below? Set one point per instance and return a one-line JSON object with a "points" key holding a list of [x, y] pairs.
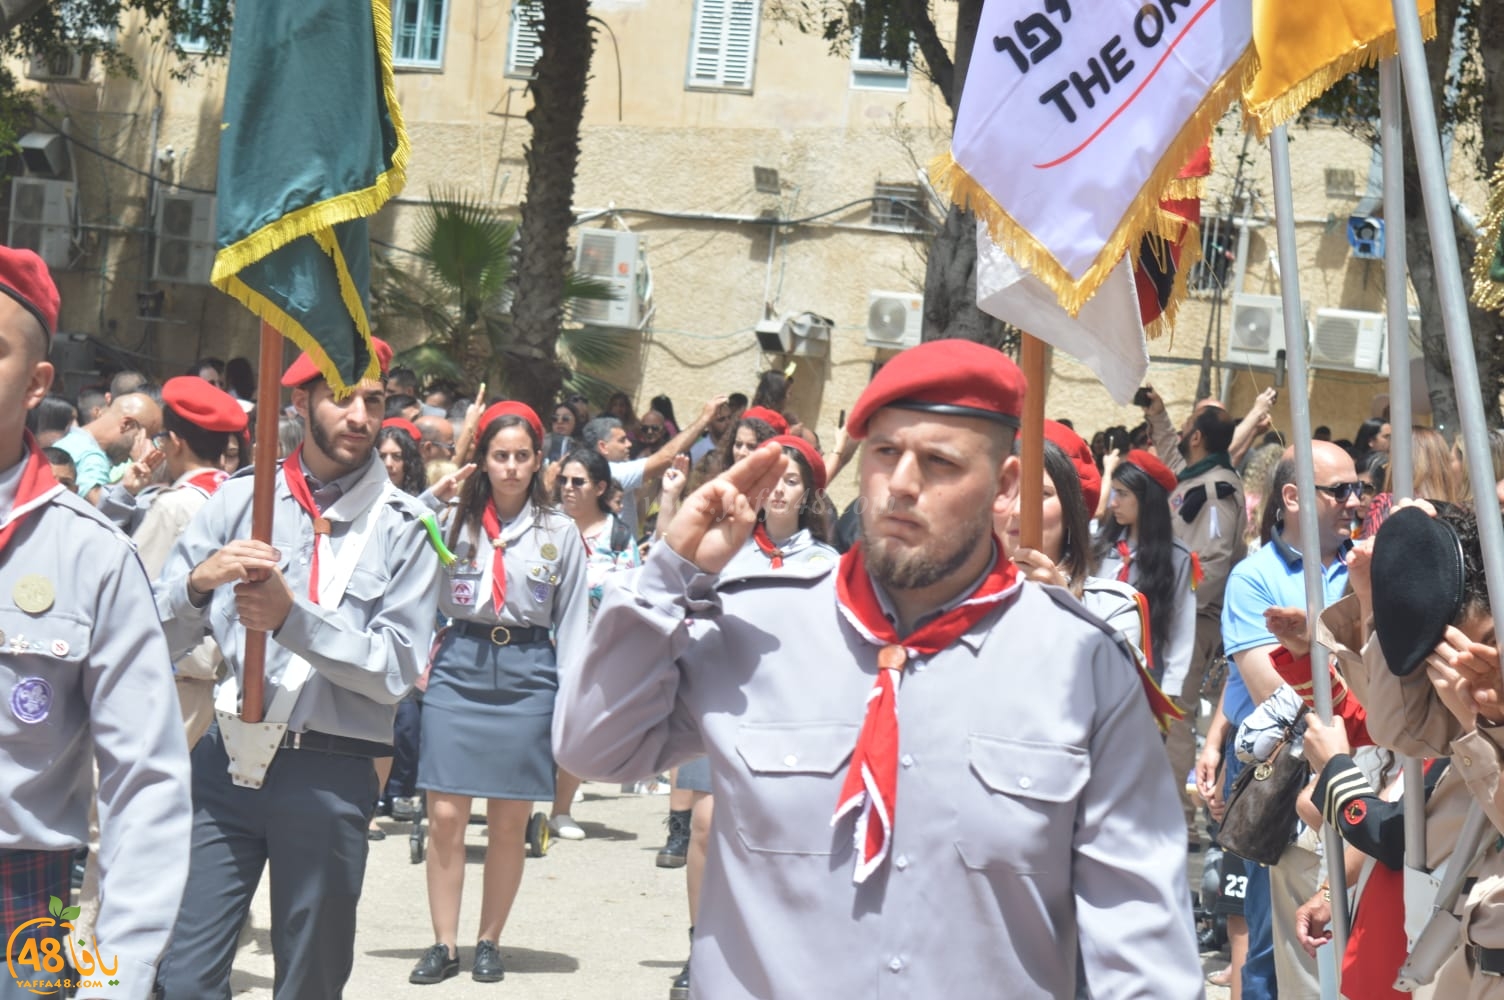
{"points": [[595, 919]]}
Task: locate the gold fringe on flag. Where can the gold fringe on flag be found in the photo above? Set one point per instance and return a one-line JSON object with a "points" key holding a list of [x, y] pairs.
{"points": [[1142, 218], [1488, 264]]}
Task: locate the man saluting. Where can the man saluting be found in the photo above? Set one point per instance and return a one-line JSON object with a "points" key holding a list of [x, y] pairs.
{"points": [[931, 775]]}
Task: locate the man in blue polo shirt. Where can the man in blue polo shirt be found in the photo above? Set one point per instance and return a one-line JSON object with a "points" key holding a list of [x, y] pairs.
{"points": [[1274, 577]]}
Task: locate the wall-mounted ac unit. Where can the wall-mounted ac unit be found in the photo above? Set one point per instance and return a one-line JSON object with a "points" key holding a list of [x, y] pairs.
{"points": [[69, 67], [1258, 330], [1413, 343], [615, 257], [185, 238], [894, 319], [41, 218], [1348, 340]]}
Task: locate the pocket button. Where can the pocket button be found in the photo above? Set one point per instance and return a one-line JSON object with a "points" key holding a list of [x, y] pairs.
{"points": [[1025, 783]]}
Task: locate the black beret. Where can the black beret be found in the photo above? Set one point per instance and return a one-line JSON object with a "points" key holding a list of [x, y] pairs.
{"points": [[1417, 586]]}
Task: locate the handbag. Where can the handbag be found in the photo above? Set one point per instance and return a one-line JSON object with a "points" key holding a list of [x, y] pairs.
{"points": [[1260, 820]]}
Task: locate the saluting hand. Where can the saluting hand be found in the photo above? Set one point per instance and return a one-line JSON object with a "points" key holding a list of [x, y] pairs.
{"points": [[1288, 625], [448, 487], [718, 518], [263, 605]]}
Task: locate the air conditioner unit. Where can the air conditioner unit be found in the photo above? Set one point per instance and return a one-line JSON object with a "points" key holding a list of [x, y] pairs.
{"points": [[1348, 340], [615, 257], [1415, 349], [68, 67], [41, 218], [894, 319], [185, 238], [1258, 330]]}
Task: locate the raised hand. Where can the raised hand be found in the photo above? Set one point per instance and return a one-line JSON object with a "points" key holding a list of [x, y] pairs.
{"points": [[676, 477], [1288, 625], [1466, 677], [718, 518], [139, 474]]}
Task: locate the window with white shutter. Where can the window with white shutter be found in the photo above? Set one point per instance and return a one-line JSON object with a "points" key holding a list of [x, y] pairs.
{"points": [[522, 44], [723, 45]]}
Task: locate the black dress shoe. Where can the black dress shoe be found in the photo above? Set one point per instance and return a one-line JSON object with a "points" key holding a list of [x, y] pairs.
{"points": [[487, 963], [435, 966]]}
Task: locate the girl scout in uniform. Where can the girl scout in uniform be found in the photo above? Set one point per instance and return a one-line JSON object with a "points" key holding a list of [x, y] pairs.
{"points": [[518, 578]]}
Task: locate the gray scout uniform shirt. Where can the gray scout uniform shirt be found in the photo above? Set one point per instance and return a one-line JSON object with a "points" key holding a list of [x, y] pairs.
{"points": [[85, 677], [367, 652], [1036, 828], [546, 546]]}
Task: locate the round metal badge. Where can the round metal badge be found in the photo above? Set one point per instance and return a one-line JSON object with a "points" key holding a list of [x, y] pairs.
{"points": [[31, 700], [33, 594]]}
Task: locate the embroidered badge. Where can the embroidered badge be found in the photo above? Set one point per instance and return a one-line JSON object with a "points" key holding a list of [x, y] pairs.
{"points": [[1353, 814], [539, 590], [462, 591], [31, 700]]}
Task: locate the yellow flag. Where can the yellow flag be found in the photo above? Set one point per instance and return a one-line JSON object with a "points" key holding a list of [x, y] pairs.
{"points": [[1302, 47]]}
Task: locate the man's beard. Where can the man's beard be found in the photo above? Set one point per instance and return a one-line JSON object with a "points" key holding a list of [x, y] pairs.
{"points": [[325, 444], [926, 566]]}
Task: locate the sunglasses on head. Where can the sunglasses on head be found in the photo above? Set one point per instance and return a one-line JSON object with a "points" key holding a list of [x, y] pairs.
{"points": [[1342, 492]]}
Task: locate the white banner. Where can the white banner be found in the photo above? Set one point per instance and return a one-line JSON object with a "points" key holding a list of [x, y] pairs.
{"points": [[1075, 117]]}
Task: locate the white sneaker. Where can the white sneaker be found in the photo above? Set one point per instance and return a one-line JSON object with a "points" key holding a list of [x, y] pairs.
{"points": [[565, 828]]}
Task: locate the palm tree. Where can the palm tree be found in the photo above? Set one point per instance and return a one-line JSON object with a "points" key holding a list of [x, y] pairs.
{"points": [[457, 301]]}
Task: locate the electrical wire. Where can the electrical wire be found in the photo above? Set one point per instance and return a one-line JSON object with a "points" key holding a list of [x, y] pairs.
{"points": [[72, 140]]}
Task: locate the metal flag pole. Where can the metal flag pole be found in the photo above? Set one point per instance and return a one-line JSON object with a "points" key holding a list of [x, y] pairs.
{"points": [[1454, 315], [263, 496], [1397, 308], [1305, 481]]}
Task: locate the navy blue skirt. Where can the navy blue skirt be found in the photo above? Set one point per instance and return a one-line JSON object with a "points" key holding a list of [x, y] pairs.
{"points": [[487, 720]]}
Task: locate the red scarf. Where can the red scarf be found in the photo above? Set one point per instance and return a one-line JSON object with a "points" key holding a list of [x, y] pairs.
{"points": [[209, 480], [765, 545], [36, 487], [1127, 557], [871, 786], [297, 484], [492, 523]]}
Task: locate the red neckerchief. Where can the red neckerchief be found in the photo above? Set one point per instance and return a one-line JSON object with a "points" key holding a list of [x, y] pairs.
{"points": [[37, 486], [1127, 557], [492, 523], [765, 545], [209, 480], [297, 484], [871, 786]]}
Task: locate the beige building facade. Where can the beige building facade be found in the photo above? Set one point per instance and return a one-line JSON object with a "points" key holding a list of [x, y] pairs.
{"points": [[764, 176]]}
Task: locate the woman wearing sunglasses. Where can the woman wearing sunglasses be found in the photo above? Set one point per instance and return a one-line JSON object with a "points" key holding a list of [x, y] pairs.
{"points": [[515, 596]]}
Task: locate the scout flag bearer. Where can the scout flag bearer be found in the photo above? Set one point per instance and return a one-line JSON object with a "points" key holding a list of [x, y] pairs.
{"points": [[85, 677]]}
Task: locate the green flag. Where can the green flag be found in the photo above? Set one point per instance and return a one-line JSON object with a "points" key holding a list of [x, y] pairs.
{"points": [[312, 143]]}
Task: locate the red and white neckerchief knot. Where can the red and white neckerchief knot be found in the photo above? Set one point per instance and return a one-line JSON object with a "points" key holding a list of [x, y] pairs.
{"points": [[871, 786], [870, 790], [1126, 554]]}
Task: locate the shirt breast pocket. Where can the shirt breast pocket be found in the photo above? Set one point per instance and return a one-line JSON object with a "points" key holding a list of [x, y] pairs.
{"points": [[1018, 811], [41, 676], [787, 808]]}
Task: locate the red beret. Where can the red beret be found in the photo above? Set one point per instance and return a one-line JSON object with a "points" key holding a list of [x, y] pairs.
{"points": [[511, 407], [769, 417], [202, 405], [1153, 468], [954, 377], [1079, 452], [405, 425], [304, 370], [809, 454], [25, 278]]}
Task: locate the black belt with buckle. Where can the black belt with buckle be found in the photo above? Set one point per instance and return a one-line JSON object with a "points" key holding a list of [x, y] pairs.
{"points": [[1488, 961], [345, 746], [502, 635]]}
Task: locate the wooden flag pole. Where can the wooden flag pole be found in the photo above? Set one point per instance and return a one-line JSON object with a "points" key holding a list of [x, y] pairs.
{"points": [[1031, 490], [268, 407]]}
